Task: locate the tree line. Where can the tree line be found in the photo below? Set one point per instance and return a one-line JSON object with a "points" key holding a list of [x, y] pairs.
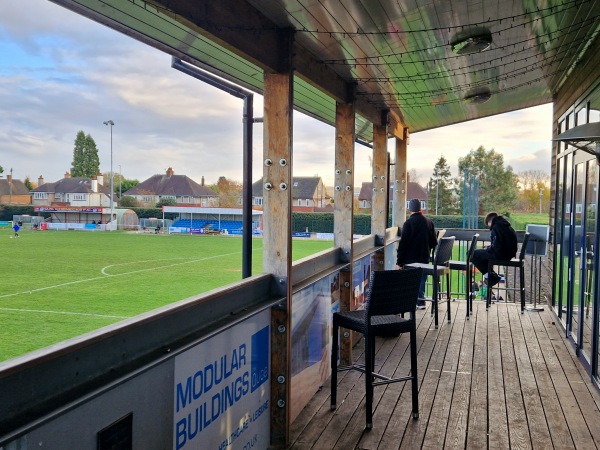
{"points": [[498, 187]]}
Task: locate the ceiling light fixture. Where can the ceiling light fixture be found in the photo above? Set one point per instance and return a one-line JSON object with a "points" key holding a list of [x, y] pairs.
{"points": [[473, 43], [478, 96]]}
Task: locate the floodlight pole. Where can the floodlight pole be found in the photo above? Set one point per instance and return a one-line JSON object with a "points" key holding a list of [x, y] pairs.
{"points": [[111, 124]]}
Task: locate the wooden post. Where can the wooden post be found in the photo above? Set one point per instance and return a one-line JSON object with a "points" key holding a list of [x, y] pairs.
{"points": [[343, 223], [380, 181], [277, 241], [400, 183], [380, 188]]}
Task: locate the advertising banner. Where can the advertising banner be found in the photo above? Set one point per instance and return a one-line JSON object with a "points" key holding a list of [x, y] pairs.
{"points": [[312, 310], [221, 390]]}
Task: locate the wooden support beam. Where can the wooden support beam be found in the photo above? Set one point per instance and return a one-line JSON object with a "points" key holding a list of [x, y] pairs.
{"points": [[277, 241], [343, 221], [400, 184], [344, 178], [380, 181]]}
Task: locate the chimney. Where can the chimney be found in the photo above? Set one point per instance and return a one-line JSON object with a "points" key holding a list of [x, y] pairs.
{"points": [[67, 175], [202, 184], [94, 184], [100, 178], [170, 172], [40, 180]]}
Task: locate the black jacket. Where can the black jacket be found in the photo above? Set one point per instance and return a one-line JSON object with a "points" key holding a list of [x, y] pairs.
{"points": [[416, 241], [504, 239]]}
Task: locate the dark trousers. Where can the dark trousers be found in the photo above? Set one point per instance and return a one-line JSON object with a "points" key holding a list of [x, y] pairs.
{"points": [[480, 259]]}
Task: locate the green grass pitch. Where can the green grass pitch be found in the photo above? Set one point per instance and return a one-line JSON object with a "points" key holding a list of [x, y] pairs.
{"points": [[59, 284]]}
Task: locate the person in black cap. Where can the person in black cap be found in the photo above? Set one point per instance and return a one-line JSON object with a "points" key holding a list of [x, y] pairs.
{"points": [[504, 246], [417, 240]]}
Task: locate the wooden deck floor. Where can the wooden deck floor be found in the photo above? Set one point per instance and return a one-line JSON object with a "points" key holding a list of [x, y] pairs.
{"points": [[499, 380]]}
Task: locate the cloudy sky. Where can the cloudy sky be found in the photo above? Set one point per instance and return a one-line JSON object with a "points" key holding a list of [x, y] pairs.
{"points": [[61, 73]]}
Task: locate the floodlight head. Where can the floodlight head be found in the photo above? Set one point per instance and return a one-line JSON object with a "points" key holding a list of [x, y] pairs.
{"points": [[109, 122]]}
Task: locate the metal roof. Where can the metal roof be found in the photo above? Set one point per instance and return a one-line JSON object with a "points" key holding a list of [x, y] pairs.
{"points": [[406, 57], [585, 137]]}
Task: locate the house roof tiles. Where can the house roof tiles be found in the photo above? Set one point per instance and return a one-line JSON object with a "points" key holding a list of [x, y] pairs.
{"points": [[171, 185]]}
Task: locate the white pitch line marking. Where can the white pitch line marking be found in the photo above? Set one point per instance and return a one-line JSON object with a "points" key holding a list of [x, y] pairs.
{"points": [[44, 311], [45, 288]]}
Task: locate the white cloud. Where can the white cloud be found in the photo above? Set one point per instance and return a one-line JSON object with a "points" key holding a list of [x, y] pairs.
{"points": [[62, 73]]}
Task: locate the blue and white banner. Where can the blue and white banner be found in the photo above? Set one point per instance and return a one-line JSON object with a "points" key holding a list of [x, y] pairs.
{"points": [[222, 390]]}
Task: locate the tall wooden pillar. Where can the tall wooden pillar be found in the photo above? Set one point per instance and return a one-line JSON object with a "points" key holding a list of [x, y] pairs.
{"points": [[380, 181], [343, 222], [400, 182], [277, 241], [380, 188]]}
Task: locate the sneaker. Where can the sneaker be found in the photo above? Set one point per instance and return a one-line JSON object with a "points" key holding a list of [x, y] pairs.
{"points": [[493, 279], [420, 304]]}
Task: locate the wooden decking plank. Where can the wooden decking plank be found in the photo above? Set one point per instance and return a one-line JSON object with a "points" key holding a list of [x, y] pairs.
{"points": [[309, 429], [459, 410], [402, 431], [402, 418], [581, 411], [390, 394], [550, 403], [437, 429], [477, 427], [356, 422], [347, 413], [312, 431], [518, 431], [497, 416], [536, 420], [530, 369], [386, 406]]}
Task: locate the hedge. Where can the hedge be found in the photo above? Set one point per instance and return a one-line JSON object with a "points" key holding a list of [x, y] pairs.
{"points": [[323, 222]]}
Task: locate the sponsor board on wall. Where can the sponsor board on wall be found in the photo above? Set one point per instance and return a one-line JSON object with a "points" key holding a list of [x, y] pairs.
{"points": [[222, 391], [312, 309]]}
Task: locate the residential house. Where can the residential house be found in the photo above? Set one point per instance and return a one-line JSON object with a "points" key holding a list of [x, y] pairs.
{"points": [[414, 191], [73, 192], [308, 195], [181, 188], [14, 192]]}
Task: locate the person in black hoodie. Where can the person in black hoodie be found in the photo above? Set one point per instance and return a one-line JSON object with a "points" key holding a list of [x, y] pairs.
{"points": [[416, 242], [503, 246]]}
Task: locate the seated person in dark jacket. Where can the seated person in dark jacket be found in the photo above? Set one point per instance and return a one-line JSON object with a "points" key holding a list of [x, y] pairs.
{"points": [[416, 242], [504, 246]]}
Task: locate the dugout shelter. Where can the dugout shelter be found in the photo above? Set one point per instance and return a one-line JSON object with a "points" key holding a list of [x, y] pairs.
{"points": [[197, 220]]}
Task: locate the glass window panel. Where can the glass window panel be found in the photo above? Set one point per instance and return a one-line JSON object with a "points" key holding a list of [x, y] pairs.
{"points": [[559, 232], [577, 292], [591, 201]]}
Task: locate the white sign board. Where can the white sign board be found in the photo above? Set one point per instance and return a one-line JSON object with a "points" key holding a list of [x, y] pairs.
{"points": [[221, 390]]}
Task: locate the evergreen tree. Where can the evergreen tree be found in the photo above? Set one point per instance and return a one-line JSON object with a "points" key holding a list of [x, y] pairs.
{"points": [[86, 162], [27, 183], [498, 185], [441, 197]]}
